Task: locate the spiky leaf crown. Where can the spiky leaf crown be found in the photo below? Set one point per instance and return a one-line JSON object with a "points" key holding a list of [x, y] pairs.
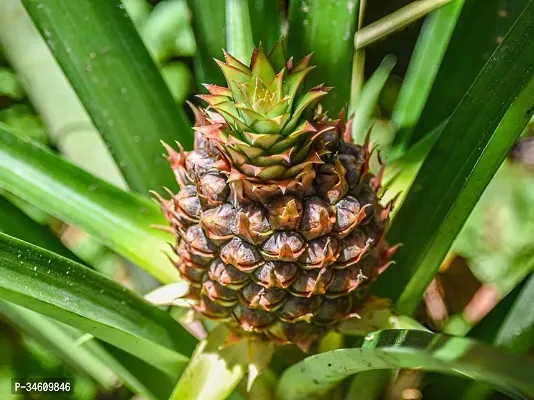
{"points": [[263, 124]]}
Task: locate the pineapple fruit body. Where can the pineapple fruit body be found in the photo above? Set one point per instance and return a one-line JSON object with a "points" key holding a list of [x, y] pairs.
{"points": [[278, 225]]}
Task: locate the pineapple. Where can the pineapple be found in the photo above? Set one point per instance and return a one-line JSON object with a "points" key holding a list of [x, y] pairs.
{"points": [[278, 225]]}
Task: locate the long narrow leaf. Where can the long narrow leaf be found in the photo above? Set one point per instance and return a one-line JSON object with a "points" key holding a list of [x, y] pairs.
{"points": [[465, 58], [82, 298], [461, 164], [395, 21], [118, 219], [50, 334], [363, 117], [67, 123], [238, 30], [101, 53], [209, 19], [395, 349], [325, 28], [358, 66], [90, 357], [424, 65]]}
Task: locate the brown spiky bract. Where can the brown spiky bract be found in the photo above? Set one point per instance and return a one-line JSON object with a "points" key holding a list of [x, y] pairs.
{"points": [[278, 225]]}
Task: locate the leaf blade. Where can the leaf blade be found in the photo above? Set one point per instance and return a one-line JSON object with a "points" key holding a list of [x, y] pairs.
{"points": [[118, 219], [49, 334], [431, 216], [80, 297], [238, 30], [311, 31], [424, 65], [408, 349], [119, 84]]}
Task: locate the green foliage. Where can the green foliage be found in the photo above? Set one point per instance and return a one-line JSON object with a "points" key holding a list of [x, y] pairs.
{"points": [[326, 29], [395, 349], [239, 39], [119, 219], [209, 24], [76, 295], [424, 65], [132, 113], [460, 165]]}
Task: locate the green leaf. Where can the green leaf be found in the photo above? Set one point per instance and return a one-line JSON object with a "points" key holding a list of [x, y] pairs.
{"points": [[325, 28], [89, 358], [395, 349], [50, 334], [424, 65], [82, 298], [102, 55], [363, 114], [209, 25], [238, 30], [120, 220], [516, 331], [464, 58], [265, 19], [214, 370], [395, 21], [68, 125], [460, 165]]}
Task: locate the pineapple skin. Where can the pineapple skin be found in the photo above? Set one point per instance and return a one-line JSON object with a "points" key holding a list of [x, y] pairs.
{"points": [[281, 257]]}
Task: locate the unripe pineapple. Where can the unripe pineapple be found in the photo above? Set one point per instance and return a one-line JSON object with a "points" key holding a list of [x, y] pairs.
{"points": [[279, 230]]}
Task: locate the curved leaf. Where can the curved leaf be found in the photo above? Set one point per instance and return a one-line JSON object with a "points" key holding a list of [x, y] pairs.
{"points": [[102, 55], [82, 298], [460, 165], [118, 219], [54, 338], [414, 349], [104, 365]]}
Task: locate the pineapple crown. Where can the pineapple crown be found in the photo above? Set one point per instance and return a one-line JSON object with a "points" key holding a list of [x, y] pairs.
{"points": [[261, 122]]}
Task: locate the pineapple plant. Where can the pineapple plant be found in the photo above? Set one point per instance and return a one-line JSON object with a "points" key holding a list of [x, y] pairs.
{"points": [[279, 226], [275, 265]]}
